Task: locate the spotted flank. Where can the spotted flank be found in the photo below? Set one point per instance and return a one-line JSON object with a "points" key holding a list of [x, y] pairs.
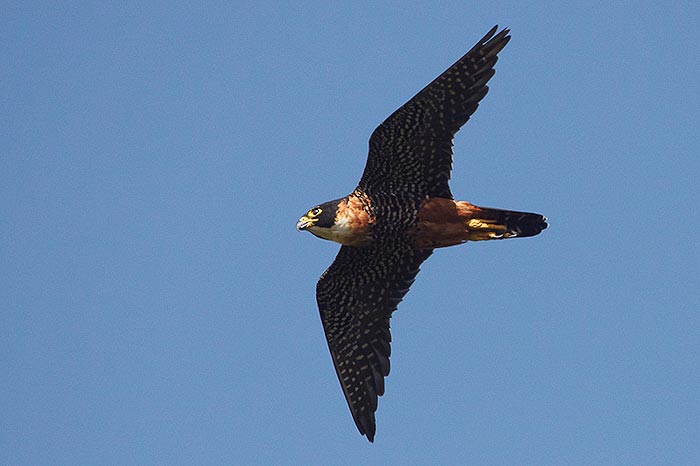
{"points": [[401, 210]]}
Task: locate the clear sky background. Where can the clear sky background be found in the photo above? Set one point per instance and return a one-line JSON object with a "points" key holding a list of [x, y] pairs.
{"points": [[158, 305]]}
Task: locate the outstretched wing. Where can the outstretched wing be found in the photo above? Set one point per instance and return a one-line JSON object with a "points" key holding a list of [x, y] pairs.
{"points": [[356, 297], [411, 151]]}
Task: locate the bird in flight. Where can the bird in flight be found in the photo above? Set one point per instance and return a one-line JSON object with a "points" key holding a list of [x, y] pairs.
{"points": [[400, 211]]}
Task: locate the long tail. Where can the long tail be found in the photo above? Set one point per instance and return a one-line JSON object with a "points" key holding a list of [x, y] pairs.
{"points": [[445, 222], [487, 223]]}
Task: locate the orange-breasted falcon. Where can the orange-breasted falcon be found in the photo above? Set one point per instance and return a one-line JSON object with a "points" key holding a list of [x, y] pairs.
{"points": [[401, 210]]}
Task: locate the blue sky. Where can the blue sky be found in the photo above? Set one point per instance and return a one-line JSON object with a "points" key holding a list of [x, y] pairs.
{"points": [[158, 304]]}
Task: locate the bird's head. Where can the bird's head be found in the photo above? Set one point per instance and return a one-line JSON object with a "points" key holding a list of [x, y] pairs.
{"points": [[343, 221], [320, 219]]}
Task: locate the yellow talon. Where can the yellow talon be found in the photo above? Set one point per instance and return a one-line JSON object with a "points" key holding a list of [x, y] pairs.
{"points": [[481, 224], [481, 229]]}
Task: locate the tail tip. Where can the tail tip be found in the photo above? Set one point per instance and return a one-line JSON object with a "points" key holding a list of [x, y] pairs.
{"points": [[527, 225]]}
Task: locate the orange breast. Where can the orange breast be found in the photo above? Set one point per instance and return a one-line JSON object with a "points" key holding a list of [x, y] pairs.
{"points": [[352, 222]]}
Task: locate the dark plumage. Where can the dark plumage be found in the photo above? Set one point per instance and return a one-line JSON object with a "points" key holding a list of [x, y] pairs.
{"points": [[400, 211]]}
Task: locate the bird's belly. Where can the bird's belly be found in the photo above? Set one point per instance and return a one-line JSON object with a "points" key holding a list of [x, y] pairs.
{"points": [[445, 222]]}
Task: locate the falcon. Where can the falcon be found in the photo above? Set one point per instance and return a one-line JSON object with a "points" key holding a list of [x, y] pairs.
{"points": [[401, 210]]}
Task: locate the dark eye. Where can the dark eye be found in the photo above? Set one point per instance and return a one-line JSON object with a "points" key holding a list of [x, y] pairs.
{"points": [[315, 211]]}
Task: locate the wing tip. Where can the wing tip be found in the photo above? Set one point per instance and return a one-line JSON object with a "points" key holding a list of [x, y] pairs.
{"points": [[492, 32], [366, 424]]}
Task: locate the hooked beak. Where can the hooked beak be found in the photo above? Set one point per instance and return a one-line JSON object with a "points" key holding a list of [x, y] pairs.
{"points": [[305, 222]]}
